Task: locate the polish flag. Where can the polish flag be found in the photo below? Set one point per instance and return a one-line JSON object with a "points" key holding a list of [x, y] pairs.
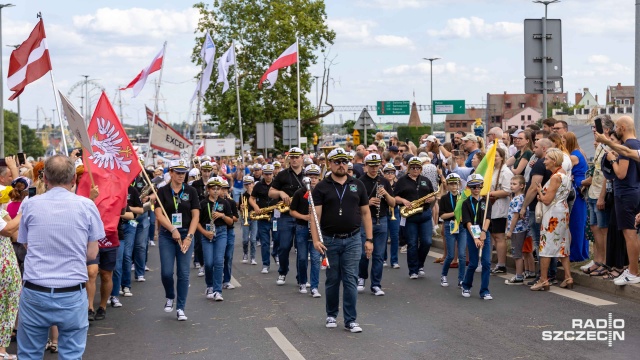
{"points": [[288, 58], [200, 150], [29, 62], [138, 83]]}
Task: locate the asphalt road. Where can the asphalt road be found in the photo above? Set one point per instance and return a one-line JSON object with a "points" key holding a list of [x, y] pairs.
{"points": [[416, 319]]}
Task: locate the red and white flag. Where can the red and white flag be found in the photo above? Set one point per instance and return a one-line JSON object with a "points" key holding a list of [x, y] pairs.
{"points": [[288, 58], [29, 62], [114, 164], [200, 150], [167, 139], [138, 82]]}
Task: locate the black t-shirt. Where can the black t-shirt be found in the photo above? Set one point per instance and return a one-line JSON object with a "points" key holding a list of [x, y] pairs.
{"points": [[472, 212], [411, 190], [221, 205], [186, 200], [234, 211], [328, 193], [538, 169], [630, 185], [370, 185], [261, 194], [133, 200], [447, 204], [139, 183], [288, 181], [200, 189], [358, 170], [300, 204]]}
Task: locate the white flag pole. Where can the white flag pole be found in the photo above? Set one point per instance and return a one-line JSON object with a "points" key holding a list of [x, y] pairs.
{"points": [[235, 59], [155, 106], [55, 97], [197, 117], [298, 68]]}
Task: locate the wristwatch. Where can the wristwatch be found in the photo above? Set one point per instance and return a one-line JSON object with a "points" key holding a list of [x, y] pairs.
{"points": [[190, 236], [369, 240]]}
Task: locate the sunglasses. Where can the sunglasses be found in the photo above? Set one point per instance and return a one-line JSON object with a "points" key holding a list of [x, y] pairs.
{"points": [[401, 150], [340, 162], [390, 172], [475, 187], [214, 187], [373, 165], [415, 168], [294, 157]]}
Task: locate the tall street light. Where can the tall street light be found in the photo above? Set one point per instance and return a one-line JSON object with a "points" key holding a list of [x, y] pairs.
{"points": [[544, 54], [2, 6], [431, 60], [19, 117]]}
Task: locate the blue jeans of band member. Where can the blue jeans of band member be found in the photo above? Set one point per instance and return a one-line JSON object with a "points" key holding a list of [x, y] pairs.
{"points": [[237, 193], [39, 311], [123, 260], [534, 231], [170, 255], [418, 231], [394, 233], [264, 236], [452, 239], [305, 248], [343, 256], [379, 245], [474, 252], [228, 255], [152, 225], [197, 248], [249, 234], [286, 235], [140, 246], [213, 252], [275, 236]]}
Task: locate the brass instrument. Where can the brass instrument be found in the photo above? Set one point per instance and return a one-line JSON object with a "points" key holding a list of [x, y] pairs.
{"points": [[416, 205], [326, 150], [393, 213], [244, 210], [266, 212], [146, 190]]}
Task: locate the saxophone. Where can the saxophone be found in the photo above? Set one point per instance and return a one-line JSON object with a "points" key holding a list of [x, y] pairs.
{"points": [[416, 205], [266, 212], [146, 190]]}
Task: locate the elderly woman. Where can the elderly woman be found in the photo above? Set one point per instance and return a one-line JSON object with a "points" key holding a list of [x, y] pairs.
{"points": [[499, 197], [578, 218], [554, 230], [10, 281]]}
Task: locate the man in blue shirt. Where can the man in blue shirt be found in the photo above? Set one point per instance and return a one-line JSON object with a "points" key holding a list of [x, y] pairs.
{"points": [[470, 145]]}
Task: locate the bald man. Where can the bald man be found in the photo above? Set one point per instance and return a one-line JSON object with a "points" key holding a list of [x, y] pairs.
{"points": [[493, 134]]}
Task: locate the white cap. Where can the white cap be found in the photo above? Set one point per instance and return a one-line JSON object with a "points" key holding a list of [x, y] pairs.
{"points": [[312, 169], [372, 159], [475, 179], [432, 138], [194, 172], [267, 169]]}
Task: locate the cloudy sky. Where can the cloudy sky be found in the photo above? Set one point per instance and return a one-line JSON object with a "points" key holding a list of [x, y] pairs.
{"points": [[380, 45]]}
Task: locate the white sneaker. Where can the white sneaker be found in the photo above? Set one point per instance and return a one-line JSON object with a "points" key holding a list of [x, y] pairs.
{"points": [[307, 285], [302, 289], [140, 279], [626, 278], [443, 281], [487, 297], [331, 323], [168, 306], [115, 302], [265, 270], [121, 292], [133, 267], [209, 293], [403, 250], [127, 292], [253, 262], [396, 266], [360, 285], [377, 291], [201, 272], [315, 293], [228, 286], [245, 259], [281, 279], [385, 264], [413, 276], [353, 327], [421, 272], [146, 268], [181, 315], [197, 265], [152, 243], [466, 293], [587, 265], [217, 296], [479, 269]]}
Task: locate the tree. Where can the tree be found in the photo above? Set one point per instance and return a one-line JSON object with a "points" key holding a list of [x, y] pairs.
{"points": [[371, 133], [262, 29], [31, 144]]}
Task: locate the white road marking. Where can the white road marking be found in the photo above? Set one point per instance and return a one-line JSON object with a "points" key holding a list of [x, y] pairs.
{"points": [[104, 334], [588, 299], [235, 282], [284, 344]]}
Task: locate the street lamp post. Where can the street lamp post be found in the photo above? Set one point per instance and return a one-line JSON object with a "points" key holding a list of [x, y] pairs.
{"points": [[2, 6], [19, 117], [544, 54], [431, 60], [317, 103]]}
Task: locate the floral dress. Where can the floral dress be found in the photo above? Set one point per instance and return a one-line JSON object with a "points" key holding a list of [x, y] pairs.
{"points": [[9, 287], [555, 238]]}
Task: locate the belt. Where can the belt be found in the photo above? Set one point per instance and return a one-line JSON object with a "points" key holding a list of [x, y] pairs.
{"points": [[342, 236], [45, 289]]}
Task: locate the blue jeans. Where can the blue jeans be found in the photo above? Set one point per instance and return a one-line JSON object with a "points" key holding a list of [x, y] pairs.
{"points": [[343, 256], [474, 252], [418, 232], [237, 193], [264, 236], [122, 273], [286, 234], [249, 234], [197, 248], [140, 247], [39, 311], [305, 248], [394, 233], [535, 234], [379, 246], [451, 239], [152, 225], [170, 254], [228, 255], [213, 252]]}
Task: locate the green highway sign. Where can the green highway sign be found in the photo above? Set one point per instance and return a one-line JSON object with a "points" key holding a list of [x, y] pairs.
{"points": [[394, 107], [445, 107]]}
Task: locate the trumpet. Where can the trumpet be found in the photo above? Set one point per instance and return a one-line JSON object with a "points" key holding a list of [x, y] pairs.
{"points": [[244, 210], [266, 212], [393, 213], [416, 205]]}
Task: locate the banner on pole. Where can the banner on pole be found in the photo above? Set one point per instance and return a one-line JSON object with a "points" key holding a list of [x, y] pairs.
{"points": [[167, 139], [220, 147], [76, 123]]}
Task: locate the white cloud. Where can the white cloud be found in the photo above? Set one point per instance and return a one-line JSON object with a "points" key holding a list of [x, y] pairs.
{"points": [[456, 71], [465, 28], [598, 59], [393, 41], [395, 4], [360, 32]]}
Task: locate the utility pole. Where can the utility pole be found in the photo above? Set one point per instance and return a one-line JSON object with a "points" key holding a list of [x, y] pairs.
{"points": [[2, 87], [431, 60], [86, 97], [317, 101], [19, 117], [544, 54]]}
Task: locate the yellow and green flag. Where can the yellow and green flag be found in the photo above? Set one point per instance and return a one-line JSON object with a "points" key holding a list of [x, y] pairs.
{"points": [[485, 168]]}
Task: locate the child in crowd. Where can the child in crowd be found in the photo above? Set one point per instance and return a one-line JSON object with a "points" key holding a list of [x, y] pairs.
{"points": [[517, 229], [447, 206]]}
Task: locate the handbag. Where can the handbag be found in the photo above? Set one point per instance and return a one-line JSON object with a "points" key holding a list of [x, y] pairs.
{"points": [[538, 212], [493, 199]]}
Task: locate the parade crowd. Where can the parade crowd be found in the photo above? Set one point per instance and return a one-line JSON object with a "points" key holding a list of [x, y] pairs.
{"points": [[348, 211]]}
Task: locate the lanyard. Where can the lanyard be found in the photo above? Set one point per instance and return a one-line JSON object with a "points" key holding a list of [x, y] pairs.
{"points": [[475, 211], [215, 207], [174, 196], [453, 205], [340, 196]]}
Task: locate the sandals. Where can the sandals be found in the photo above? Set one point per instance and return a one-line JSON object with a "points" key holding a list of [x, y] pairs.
{"points": [[53, 348], [590, 270], [5, 356], [612, 274], [602, 270]]}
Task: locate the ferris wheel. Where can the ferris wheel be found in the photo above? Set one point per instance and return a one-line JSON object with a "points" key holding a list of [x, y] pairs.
{"points": [[86, 93]]}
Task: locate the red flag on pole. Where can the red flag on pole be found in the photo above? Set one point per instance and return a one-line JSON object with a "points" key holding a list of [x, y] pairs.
{"points": [[287, 58], [114, 164], [138, 82], [29, 62]]}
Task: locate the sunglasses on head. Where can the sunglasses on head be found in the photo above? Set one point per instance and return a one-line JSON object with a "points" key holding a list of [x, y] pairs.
{"points": [[340, 162], [475, 187]]}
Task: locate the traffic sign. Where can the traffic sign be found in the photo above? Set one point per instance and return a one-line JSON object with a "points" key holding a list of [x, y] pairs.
{"points": [[394, 107], [533, 48], [363, 119], [446, 107], [290, 132]]}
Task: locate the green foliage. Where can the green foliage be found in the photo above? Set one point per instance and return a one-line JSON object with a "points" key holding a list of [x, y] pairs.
{"points": [[413, 133], [31, 144], [371, 134], [262, 30]]}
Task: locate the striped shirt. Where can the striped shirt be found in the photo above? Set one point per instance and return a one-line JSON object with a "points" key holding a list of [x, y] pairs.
{"points": [[57, 226]]}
